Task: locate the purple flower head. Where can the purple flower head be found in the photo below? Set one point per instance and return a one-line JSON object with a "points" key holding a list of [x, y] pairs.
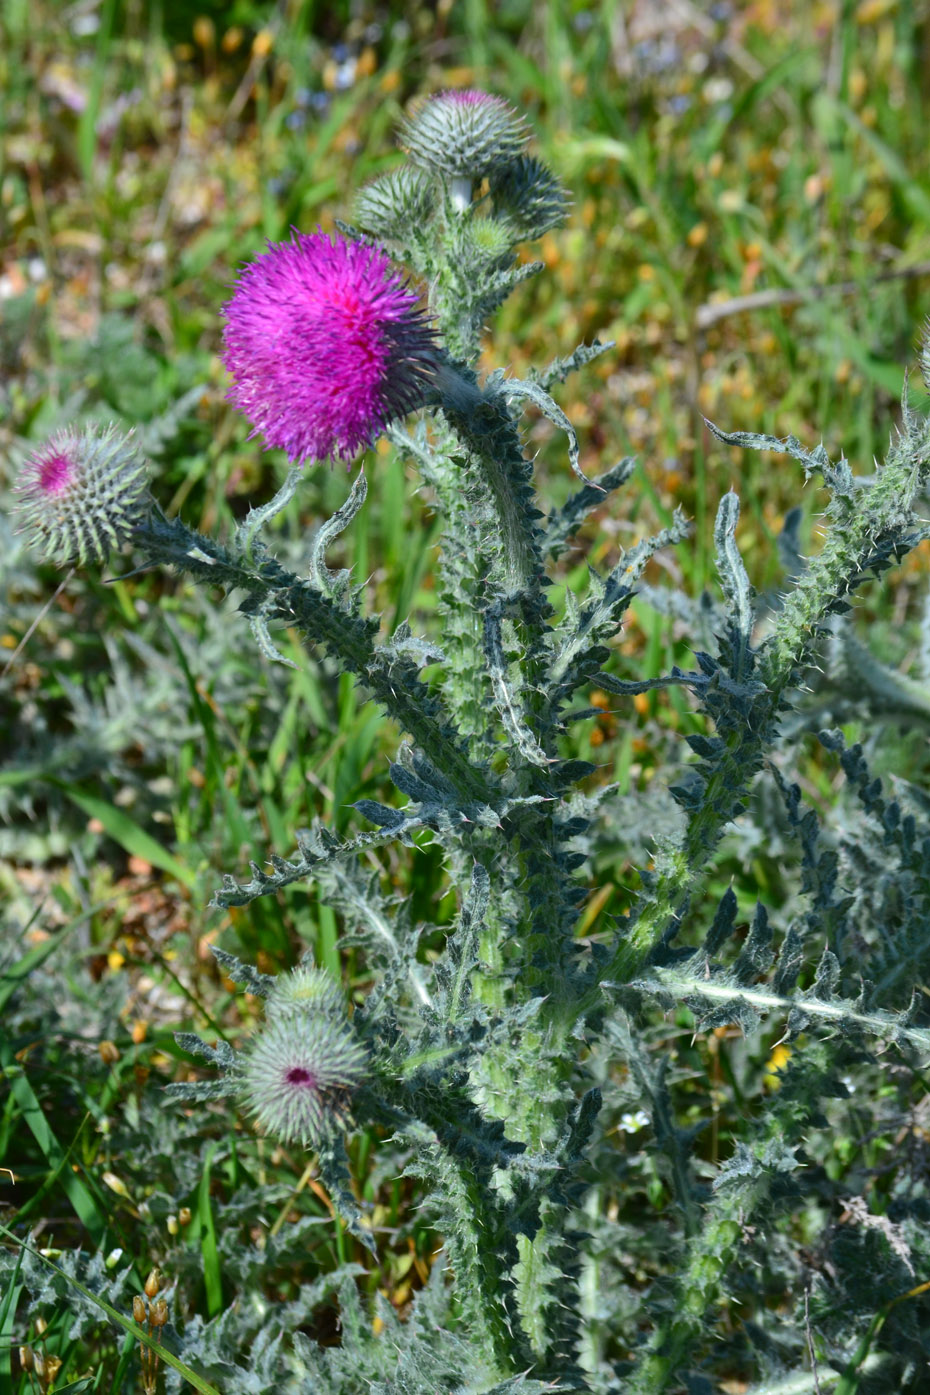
{"points": [[465, 134], [297, 1075], [326, 344], [82, 493]]}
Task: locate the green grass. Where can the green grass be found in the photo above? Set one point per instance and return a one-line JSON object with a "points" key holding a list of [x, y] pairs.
{"points": [[794, 159]]}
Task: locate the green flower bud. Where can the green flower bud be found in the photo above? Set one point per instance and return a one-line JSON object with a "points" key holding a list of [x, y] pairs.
{"points": [[306, 990], [490, 239], [529, 197], [396, 203]]}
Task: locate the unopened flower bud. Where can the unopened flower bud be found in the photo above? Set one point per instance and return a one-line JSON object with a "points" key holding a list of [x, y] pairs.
{"points": [[396, 203], [488, 240], [464, 134], [82, 494], [528, 197], [116, 1184], [152, 1284], [139, 1310], [306, 989]]}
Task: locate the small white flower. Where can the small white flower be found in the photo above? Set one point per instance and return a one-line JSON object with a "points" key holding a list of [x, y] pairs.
{"points": [[632, 1123]]}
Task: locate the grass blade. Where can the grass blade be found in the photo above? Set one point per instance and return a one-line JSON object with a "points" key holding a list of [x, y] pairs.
{"points": [[127, 833]]}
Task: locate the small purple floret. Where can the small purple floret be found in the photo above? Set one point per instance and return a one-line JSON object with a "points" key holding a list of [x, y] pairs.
{"points": [[299, 1075], [53, 472], [468, 97], [298, 1072], [326, 344]]}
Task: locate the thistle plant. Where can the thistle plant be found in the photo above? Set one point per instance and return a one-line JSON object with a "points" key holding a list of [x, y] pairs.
{"points": [[503, 1064]]}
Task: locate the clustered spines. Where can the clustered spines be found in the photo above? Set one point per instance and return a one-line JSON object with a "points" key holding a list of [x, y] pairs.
{"points": [[83, 493], [528, 197], [304, 989], [298, 1073], [464, 134], [395, 204]]}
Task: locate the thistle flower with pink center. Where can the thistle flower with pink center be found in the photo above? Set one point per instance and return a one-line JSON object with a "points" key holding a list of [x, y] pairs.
{"points": [[465, 134], [298, 1073], [82, 493], [326, 345]]}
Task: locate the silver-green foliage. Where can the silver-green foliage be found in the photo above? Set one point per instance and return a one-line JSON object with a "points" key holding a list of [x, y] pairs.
{"points": [[503, 1066]]}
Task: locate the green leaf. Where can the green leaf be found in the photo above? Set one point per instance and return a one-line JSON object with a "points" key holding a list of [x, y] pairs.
{"points": [[208, 1248], [12, 977]]}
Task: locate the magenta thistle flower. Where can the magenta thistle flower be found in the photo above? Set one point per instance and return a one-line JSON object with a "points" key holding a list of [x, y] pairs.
{"points": [[297, 1075], [464, 134], [326, 344], [82, 493]]}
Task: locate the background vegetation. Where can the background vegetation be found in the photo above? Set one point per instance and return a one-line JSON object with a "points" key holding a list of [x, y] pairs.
{"points": [[714, 153]]}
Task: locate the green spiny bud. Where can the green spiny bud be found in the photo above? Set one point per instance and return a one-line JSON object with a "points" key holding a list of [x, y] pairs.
{"points": [[465, 134], [306, 989], [82, 493], [488, 238], [390, 206], [529, 197]]}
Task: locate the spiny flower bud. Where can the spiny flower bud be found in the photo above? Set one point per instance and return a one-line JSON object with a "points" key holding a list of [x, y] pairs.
{"points": [[488, 240], [82, 493], [395, 203], [326, 344], [297, 1075], [306, 989], [529, 197], [464, 134]]}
